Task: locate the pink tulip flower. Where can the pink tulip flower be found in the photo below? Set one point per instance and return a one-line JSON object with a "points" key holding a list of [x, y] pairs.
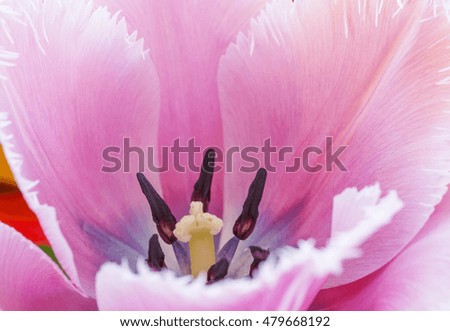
{"points": [[373, 75]]}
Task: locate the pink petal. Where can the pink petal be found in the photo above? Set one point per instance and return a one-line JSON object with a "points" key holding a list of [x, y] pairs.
{"points": [[30, 280], [80, 85], [417, 279], [288, 281], [187, 39], [370, 75]]}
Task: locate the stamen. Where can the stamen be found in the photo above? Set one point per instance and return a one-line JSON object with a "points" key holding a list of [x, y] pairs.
{"points": [[218, 271], [198, 229], [182, 256], [259, 255], [245, 224], [162, 216], [202, 188], [229, 249], [155, 254]]}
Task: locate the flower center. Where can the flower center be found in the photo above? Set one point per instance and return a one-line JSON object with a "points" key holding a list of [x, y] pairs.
{"points": [[199, 228]]}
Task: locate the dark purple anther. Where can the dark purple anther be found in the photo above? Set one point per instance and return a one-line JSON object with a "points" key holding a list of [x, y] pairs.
{"points": [[202, 188], [259, 255], [161, 213], [245, 224], [218, 271], [155, 254]]}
